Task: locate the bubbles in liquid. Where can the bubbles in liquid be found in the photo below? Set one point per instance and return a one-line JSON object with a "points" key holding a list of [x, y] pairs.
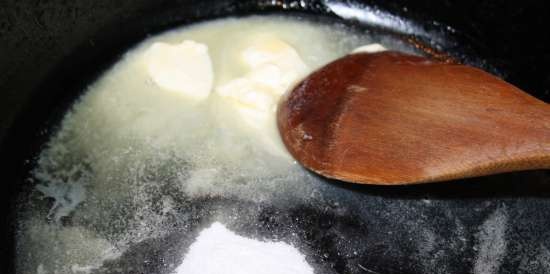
{"points": [[131, 162]]}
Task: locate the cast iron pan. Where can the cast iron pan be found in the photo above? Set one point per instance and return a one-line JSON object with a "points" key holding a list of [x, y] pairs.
{"points": [[494, 224]]}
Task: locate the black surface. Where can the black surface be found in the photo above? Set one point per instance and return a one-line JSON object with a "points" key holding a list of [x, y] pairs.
{"points": [[43, 69]]}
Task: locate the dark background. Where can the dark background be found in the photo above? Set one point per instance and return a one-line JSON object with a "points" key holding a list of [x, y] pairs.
{"points": [[43, 42]]}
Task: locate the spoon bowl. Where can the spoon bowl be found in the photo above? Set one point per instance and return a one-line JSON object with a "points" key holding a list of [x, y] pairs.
{"points": [[390, 118]]}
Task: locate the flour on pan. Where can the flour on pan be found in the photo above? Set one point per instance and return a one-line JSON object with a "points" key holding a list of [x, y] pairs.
{"points": [[218, 250], [492, 244]]}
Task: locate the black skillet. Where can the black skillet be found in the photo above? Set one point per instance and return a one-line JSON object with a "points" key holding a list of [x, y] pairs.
{"points": [[420, 229]]}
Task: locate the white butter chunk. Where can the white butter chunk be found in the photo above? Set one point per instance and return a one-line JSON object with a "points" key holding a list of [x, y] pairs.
{"points": [[274, 63], [255, 105], [370, 48], [185, 68], [253, 101], [273, 67]]}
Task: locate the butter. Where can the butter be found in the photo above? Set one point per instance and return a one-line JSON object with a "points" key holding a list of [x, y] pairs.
{"points": [[273, 66], [369, 48], [184, 68], [273, 62]]}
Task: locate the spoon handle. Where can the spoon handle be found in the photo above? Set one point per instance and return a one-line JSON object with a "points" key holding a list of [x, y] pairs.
{"points": [[528, 140]]}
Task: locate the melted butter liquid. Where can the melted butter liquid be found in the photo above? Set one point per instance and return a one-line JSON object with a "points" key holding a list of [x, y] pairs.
{"points": [[132, 162]]}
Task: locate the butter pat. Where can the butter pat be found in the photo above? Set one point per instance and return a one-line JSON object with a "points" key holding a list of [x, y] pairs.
{"points": [[185, 68], [273, 66], [254, 102], [273, 63], [370, 48]]}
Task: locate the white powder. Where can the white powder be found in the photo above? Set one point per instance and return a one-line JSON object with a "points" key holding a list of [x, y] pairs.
{"points": [[492, 246], [220, 251]]}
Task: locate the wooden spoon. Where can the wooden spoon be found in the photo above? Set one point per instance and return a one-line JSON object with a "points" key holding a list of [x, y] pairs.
{"points": [[389, 118]]}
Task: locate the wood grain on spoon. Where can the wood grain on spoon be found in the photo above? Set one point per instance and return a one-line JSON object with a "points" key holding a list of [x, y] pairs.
{"points": [[391, 118]]}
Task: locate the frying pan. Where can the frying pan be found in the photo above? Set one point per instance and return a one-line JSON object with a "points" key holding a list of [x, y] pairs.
{"points": [[493, 224]]}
